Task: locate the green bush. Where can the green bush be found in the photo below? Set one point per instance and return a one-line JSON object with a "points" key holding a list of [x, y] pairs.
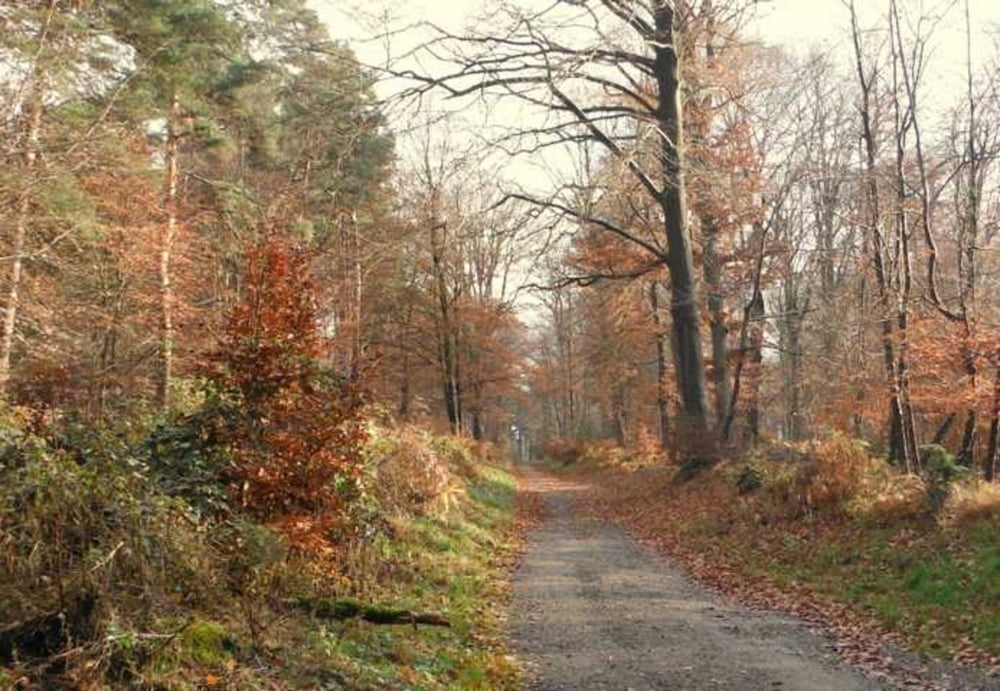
{"points": [[207, 643], [71, 529], [939, 466], [187, 457], [749, 480], [940, 470], [692, 468]]}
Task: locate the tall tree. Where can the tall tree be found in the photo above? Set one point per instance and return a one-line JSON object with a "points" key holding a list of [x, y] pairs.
{"points": [[592, 78], [182, 49]]}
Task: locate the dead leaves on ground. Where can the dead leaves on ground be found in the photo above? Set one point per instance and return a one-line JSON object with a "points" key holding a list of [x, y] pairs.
{"points": [[658, 514]]}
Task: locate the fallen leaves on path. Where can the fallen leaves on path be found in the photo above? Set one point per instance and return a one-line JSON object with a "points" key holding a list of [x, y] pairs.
{"points": [[654, 512]]}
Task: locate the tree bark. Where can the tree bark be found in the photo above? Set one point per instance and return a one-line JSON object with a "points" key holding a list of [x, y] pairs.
{"points": [[793, 314], [30, 142], [447, 346], [712, 266], [662, 393], [899, 445], [991, 464], [168, 234], [680, 260], [19, 241], [757, 312]]}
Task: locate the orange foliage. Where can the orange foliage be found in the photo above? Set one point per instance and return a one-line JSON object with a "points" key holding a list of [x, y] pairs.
{"points": [[302, 428], [839, 465]]}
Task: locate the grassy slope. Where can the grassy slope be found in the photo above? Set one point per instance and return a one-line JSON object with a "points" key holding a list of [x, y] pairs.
{"points": [[937, 589], [453, 561], [455, 564]]}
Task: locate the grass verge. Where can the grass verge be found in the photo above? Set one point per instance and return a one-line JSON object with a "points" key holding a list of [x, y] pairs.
{"points": [[456, 564], [933, 588], [150, 597]]}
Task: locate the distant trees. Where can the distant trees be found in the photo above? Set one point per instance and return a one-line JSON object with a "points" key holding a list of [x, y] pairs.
{"points": [[152, 147], [751, 244], [832, 224], [447, 323], [613, 83], [166, 130]]}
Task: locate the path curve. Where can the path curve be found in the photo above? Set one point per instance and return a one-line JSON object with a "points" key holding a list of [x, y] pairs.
{"points": [[591, 610]]}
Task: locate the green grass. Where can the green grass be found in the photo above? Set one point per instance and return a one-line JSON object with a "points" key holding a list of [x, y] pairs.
{"points": [[453, 564], [935, 587]]}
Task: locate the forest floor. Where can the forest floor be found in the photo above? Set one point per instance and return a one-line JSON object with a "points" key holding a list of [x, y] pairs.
{"points": [[592, 609]]}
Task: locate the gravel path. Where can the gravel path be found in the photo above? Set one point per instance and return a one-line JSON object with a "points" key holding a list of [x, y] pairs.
{"points": [[591, 610]]}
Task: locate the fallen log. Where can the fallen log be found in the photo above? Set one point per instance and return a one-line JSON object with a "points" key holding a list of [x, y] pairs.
{"points": [[348, 608]]}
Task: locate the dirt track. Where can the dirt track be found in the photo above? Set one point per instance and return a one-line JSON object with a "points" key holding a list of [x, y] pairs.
{"points": [[592, 610]]}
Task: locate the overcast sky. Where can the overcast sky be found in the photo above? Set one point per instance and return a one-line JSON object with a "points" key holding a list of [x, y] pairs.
{"points": [[797, 25]]}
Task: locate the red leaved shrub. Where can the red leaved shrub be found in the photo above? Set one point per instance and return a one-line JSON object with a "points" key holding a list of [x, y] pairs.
{"points": [[300, 428]]}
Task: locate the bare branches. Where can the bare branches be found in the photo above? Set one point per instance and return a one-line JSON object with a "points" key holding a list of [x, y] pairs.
{"points": [[582, 216]]}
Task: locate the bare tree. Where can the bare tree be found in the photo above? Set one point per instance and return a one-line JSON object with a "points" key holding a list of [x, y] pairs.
{"points": [[607, 74]]}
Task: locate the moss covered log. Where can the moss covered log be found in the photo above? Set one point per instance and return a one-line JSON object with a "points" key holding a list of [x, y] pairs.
{"points": [[349, 608]]}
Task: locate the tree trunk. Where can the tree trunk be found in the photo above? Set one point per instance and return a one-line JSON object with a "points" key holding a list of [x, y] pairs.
{"points": [[447, 346], [404, 391], [791, 360], [168, 233], [19, 241], [30, 141], [757, 312], [793, 385], [619, 418], [760, 231], [991, 464], [943, 430], [477, 425], [899, 439], [662, 393], [712, 265], [684, 291], [352, 291], [966, 454]]}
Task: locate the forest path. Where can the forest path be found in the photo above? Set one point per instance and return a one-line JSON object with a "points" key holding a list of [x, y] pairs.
{"points": [[591, 610]]}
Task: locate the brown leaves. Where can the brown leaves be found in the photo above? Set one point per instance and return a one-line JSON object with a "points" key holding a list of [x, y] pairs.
{"points": [[712, 533], [302, 426]]}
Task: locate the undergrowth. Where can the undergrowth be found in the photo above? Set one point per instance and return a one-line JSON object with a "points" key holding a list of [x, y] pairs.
{"points": [[117, 570]]}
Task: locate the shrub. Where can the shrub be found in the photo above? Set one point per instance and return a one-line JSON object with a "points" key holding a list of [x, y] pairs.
{"points": [[458, 455], [299, 429], [836, 472], [784, 486], [408, 473], [939, 466], [74, 532], [748, 480], [940, 470], [207, 643], [188, 457], [647, 450], [693, 467], [488, 451], [892, 496], [601, 453], [973, 501], [562, 451]]}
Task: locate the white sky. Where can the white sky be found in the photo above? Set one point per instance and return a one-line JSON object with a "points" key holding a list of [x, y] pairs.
{"points": [[799, 26]]}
